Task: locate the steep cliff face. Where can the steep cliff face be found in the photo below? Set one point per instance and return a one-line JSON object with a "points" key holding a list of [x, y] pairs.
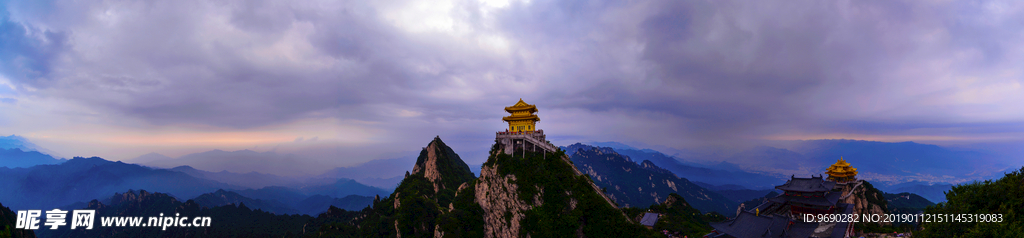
{"points": [[426, 203], [439, 164], [423, 202], [542, 195], [498, 196], [531, 195], [866, 199]]}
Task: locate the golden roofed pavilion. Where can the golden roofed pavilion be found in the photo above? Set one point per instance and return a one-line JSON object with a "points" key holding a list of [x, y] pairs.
{"points": [[841, 172], [522, 118]]}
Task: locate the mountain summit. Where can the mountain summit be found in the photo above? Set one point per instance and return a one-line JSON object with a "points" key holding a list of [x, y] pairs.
{"points": [[439, 164], [536, 193]]}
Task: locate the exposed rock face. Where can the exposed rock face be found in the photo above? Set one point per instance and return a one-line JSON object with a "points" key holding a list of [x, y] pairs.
{"points": [[397, 200], [866, 200], [423, 204], [513, 197], [499, 197], [442, 166]]}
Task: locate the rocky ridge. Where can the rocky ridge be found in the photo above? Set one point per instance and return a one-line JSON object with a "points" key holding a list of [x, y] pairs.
{"points": [[498, 195], [640, 185], [439, 164], [866, 200], [534, 194]]}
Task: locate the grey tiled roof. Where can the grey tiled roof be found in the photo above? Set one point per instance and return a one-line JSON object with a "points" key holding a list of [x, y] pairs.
{"points": [[812, 184], [747, 224], [829, 199], [649, 219]]}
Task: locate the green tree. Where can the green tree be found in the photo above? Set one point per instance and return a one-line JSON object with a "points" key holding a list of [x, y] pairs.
{"points": [[1003, 198]]}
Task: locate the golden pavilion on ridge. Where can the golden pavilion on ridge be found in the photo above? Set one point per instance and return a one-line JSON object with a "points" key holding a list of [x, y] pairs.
{"points": [[841, 172], [522, 118], [522, 133]]}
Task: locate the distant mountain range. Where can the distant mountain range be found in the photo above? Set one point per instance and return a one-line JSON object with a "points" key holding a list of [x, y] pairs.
{"points": [[17, 158], [239, 168], [928, 170], [84, 179], [641, 185], [311, 205], [242, 161], [222, 198], [724, 173], [248, 180], [344, 187], [18, 152], [18, 142], [442, 194], [633, 177], [755, 168], [383, 173], [892, 163]]}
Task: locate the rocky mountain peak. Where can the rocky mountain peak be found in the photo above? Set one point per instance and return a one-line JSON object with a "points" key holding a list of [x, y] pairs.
{"points": [[866, 199], [132, 197], [439, 164]]}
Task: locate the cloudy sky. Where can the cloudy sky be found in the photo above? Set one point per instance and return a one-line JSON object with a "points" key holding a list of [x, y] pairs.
{"points": [[349, 81]]}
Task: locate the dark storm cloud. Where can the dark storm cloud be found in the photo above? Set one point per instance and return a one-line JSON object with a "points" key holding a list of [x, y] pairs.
{"points": [[707, 69], [27, 52], [754, 68], [164, 62]]}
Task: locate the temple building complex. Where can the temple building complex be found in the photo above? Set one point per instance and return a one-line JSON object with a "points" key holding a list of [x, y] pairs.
{"points": [[783, 215], [808, 196]]}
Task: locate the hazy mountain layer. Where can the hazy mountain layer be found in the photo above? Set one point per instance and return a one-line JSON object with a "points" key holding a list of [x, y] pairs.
{"points": [[84, 179], [705, 174], [242, 161], [17, 158], [248, 180], [221, 198], [641, 185], [885, 163], [18, 142], [343, 187]]}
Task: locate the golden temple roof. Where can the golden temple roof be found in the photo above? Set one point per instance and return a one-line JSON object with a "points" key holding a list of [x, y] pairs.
{"points": [[841, 169], [521, 106], [516, 118]]}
